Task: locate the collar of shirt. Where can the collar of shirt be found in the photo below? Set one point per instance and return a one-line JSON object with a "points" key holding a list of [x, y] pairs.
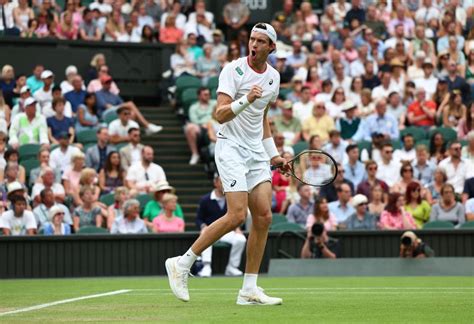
{"points": [[214, 196]]}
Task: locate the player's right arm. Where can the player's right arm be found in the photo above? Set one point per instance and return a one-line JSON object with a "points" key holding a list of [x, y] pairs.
{"points": [[227, 109]]}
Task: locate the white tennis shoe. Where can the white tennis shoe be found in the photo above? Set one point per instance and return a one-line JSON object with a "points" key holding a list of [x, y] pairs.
{"points": [[257, 297], [178, 278]]}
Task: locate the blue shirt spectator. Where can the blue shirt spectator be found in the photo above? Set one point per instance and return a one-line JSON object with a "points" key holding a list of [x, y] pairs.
{"points": [[354, 172], [59, 126], [298, 212], [381, 123], [76, 97], [105, 99], [341, 207]]}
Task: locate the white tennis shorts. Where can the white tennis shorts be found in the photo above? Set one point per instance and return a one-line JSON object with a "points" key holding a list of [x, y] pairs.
{"points": [[240, 169]]}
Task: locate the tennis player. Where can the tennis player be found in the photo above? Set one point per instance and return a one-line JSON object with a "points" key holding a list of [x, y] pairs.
{"points": [[244, 148]]}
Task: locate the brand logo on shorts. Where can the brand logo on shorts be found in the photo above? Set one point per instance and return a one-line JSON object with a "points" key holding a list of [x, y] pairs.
{"points": [[232, 184], [271, 82]]}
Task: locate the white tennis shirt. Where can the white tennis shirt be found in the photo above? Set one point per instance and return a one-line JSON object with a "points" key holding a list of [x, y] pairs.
{"points": [[236, 80]]}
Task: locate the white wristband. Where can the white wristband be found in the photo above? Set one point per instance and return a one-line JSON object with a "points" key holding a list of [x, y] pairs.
{"points": [[239, 105], [270, 147]]}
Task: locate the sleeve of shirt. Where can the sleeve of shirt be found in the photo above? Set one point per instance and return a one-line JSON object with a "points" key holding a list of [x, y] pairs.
{"points": [[43, 132], [30, 221], [228, 80], [361, 133], [394, 132], [193, 118], [13, 133], [275, 94], [112, 129], [114, 229], [3, 221]]}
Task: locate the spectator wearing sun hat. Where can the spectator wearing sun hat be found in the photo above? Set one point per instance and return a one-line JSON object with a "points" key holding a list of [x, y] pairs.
{"points": [[56, 225], [361, 219], [28, 127], [154, 207], [44, 96]]}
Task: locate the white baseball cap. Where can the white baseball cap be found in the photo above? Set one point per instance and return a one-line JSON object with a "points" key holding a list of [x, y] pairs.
{"points": [[24, 89], [46, 74], [359, 199], [266, 29], [29, 101]]}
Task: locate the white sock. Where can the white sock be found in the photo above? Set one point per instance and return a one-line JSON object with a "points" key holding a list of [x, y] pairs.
{"points": [[187, 259], [250, 281]]}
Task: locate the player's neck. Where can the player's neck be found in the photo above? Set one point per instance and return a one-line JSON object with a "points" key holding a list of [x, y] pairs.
{"points": [[257, 65]]}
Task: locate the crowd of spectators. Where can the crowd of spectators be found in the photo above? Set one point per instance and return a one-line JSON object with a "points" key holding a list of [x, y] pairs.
{"points": [[59, 189]]}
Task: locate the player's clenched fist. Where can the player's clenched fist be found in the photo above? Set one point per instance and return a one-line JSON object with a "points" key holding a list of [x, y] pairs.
{"points": [[255, 92]]}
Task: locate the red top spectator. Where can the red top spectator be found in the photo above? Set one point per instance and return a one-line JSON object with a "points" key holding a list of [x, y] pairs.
{"points": [[422, 112]]}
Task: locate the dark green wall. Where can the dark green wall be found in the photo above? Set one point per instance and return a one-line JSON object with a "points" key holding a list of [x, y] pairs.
{"points": [[137, 255]]}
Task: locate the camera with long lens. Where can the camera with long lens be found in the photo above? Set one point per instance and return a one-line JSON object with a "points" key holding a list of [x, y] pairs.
{"points": [[317, 229], [406, 241]]}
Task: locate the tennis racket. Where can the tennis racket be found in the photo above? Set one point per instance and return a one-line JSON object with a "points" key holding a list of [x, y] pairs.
{"points": [[312, 167]]}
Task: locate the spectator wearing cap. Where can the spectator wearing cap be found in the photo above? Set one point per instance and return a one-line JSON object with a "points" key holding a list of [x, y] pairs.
{"points": [[20, 105], [61, 156], [44, 95], [132, 152], [361, 219], [349, 123], [28, 127], [96, 155], [56, 224], [108, 102], [166, 222], [287, 125], [422, 112], [219, 49], [319, 123], [299, 211], [19, 220], [66, 85], [341, 207], [35, 82], [381, 122], [429, 82], [130, 223], [354, 170], [47, 201], [145, 175], [47, 182], [336, 147], [200, 113], [88, 29], [77, 95], [154, 207], [59, 124]]}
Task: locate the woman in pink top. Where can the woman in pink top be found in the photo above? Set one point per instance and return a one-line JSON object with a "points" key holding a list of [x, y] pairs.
{"points": [[321, 215], [166, 222], [394, 217]]}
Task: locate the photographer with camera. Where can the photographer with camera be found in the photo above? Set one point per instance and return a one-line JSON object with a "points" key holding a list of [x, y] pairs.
{"points": [[319, 245], [412, 247]]}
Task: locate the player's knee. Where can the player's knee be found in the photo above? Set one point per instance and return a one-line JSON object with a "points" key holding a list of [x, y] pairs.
{"points": [[263, 220], [237, 217]]}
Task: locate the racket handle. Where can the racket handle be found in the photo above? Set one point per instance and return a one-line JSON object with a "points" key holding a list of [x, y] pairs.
{"points": [[275, 167]]}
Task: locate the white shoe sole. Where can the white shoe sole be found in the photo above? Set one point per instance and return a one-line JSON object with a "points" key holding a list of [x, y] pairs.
{"points": [[243, 302], [169, 267]]}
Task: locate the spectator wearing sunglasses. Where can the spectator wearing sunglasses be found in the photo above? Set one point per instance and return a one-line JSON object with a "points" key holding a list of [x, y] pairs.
{"points": [[56, 225], [361, 219]]}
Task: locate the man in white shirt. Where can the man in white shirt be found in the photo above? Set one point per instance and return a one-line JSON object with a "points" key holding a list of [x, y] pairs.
{"points": [[340, 79], [304, 108], [118, 129], [455, 167], [428, 82], [199, 28], [60, 157], [385, 88], [408, 152], [44, 96], [388, 169], [47, 177], [175, 11], [144, 176], [18, 221], [244, 151], [427, 12], [399, 35], [200, 8], [7, 27]]}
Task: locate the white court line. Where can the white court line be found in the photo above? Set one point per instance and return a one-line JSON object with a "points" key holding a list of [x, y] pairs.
{"points": [[64, 301], [318, 293], [322, 288]]}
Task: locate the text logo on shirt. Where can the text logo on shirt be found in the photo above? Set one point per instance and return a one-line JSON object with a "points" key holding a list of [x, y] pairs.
{"points": [[239, 71]]}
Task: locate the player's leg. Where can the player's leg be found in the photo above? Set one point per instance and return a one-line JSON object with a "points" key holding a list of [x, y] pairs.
{"points": [[237, 241], [178, 267], [192, 131], [260, 207]]}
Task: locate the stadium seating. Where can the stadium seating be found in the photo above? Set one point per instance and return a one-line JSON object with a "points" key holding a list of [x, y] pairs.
{"points": [[418, 133], [92, 230], [108, 199], [467, 225], [87, 136], [282, 227], [143, 199], [186, 82], [300, 147], [109, 116], [188, 97], [213, 83], [29, 165], [28, 151], [438, 225], [278, 219], [448, 133]]}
